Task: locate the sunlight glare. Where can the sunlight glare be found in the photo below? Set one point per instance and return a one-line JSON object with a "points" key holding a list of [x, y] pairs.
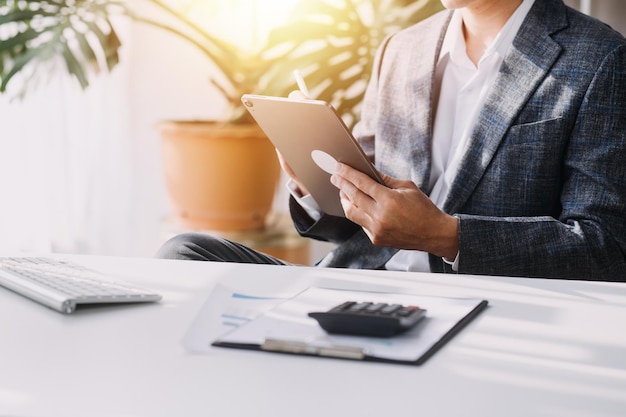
{"points": [[244, 23]]}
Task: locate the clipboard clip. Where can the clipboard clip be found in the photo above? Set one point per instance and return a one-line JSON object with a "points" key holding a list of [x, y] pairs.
{"points": [[289, 346]]}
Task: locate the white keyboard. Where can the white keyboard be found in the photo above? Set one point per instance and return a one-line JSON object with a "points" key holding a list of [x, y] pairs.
{"points": [[62, 285]]}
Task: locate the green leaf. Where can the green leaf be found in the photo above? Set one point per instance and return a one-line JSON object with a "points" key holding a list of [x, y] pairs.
{"points": [[112, 47], [18, 64], [74, 66], [109, 44], [88, 53], [23, 16], [21, 39]]}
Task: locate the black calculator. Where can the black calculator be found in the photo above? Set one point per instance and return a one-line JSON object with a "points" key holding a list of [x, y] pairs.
{"points": [[369, 319]]}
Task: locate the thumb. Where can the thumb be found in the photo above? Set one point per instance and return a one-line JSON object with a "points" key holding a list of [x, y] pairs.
{"points": [[390, 181], [395, 183]]}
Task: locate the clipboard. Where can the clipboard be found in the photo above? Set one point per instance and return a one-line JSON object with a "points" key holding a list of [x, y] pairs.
{"points": [[287, 328], [311, 137]]}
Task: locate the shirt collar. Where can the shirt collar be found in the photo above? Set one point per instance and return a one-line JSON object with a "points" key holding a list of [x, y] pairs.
{"points": [[454, 42]]}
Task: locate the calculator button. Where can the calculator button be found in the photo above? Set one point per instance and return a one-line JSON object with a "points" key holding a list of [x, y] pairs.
{"points": [[344, 306], [359, 307], [389, 309], [404, 312], [373, 308]]}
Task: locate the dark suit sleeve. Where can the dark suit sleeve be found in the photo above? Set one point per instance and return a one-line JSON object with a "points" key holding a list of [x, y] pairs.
{"points": [[327, 228], [587, 240]]}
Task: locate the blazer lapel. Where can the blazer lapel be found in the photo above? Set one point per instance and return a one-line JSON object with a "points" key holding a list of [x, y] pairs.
{"points": [[424, 81], [525, 66]]}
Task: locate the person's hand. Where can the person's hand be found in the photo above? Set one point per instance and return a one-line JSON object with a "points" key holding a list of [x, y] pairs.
{"points": [[285, 166], [399, 215]]}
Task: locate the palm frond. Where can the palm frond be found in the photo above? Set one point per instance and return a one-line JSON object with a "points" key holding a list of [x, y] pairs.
{"points": [[333, 43], [35, 33]]}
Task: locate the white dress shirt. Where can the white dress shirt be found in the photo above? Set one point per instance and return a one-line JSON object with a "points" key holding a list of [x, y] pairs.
{"points": [[463, 88]]}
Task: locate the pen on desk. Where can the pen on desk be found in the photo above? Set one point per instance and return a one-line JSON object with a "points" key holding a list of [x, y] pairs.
{"points": [[301, 84]]}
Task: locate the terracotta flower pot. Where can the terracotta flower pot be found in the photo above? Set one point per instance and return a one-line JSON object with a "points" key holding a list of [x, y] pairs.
{"points": [[219, 176]]}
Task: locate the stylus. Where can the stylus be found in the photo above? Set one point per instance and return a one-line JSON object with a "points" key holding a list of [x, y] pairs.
{"points": [[301, 84]]}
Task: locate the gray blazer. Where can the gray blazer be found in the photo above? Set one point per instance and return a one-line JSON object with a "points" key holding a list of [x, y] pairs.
{"points": [[541, 191]]}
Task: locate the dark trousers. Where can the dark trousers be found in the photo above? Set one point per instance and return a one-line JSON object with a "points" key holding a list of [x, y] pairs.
{"points": [[205, 247]]}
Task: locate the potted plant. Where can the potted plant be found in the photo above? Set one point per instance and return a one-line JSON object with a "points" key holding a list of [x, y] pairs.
{"points": [[331, 42]]}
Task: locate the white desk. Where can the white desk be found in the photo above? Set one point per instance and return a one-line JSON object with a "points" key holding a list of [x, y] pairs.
{"points": [[542, 348]]}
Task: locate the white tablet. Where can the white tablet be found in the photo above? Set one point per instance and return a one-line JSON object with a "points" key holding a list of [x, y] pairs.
{"points": [[311, 137]]}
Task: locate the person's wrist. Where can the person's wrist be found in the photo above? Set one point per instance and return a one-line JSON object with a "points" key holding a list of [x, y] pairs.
{"points": [[449, 237]]}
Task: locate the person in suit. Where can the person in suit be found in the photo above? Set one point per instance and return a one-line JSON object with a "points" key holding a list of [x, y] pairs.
{"points": [[499, 127]]}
